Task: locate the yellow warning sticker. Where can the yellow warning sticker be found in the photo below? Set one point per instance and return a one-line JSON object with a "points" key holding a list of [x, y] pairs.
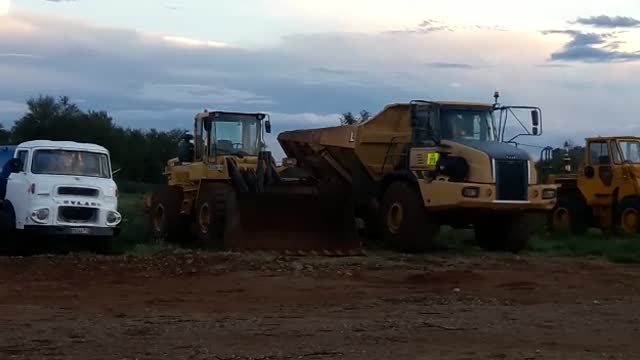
{"points": [[432, 159]]}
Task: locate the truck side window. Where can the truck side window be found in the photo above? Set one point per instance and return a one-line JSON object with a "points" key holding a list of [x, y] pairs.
{"points": [[599, 153], [424, 126], [23, 156]]}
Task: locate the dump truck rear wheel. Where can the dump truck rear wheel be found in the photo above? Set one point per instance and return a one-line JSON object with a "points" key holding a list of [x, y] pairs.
{"points": [[165, 221], [211, 213], [627, 216], [504, 233], [405, 223], [569, 215]]}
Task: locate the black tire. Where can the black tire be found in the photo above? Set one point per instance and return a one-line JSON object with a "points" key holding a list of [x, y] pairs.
{"points": [[210, 214], [405, 223], [627, 217], [166, 224], [510, 233], [570, 215]]}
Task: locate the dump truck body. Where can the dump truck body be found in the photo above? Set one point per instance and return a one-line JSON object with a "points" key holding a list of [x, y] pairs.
{"points": [[604, 192], [458, 181]]}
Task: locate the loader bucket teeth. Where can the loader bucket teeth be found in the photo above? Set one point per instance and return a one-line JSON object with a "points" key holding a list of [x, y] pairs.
{"points": [[292, 224]]}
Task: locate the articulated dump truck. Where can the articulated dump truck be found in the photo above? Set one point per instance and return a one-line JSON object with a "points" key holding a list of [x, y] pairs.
{"points": [[419, 165]]}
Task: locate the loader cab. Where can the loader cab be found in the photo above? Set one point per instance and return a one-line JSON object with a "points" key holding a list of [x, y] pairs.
{"points": [[220, 133], [611, 164]]}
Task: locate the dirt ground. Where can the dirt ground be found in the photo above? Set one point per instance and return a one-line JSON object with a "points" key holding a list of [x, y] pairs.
{"points": [[196, 306]]}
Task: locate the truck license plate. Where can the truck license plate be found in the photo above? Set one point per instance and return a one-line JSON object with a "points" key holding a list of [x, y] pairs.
{"points": [[77, 231]]}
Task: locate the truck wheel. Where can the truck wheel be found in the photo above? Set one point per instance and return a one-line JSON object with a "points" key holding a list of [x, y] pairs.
{"points": [[627, 217], [165, 221], [405, 222], [568, 216], [504, 233], [104, 245], [210, 214]]}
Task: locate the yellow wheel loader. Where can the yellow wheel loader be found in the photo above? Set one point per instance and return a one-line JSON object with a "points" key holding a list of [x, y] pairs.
{"points": [[604, 192], [224, 191], [418, 165]]}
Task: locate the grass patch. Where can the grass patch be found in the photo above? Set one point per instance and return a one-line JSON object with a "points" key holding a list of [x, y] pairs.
{"points": [[134, 222], [615, 249]]}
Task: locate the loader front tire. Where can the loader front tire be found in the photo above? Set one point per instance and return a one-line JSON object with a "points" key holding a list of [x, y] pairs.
{"points": [[627, 217], [211, 214], [406, 225], [166, 224], [510, 233]]}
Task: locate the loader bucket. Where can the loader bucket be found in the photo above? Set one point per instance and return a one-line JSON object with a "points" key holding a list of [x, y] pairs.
{"points": [[292, 223]]}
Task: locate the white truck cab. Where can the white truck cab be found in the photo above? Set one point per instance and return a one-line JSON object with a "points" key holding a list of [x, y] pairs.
{"points": [[63, 188]]}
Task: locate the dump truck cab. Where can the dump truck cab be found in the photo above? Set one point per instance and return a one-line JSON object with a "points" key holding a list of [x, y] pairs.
{"points": [[605, 191], [418, 165]]}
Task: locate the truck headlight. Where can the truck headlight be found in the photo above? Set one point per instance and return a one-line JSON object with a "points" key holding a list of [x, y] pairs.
{"points": [[113, 218], [548, 194], [40, 215], [471, 192]]}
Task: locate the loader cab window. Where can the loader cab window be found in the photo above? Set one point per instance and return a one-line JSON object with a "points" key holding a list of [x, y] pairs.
{"points": [[599, 153], [466, 124], [630, 151], [235, 134]]}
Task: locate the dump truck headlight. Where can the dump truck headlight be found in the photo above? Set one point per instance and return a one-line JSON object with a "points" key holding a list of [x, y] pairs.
{"points": [[548, 194], [471, 192], [113, 218], [40, 215]]}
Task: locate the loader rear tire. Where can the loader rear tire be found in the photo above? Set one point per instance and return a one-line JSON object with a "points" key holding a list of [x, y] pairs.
{"points": [[211, 214], [406, 225], [509, 233], [166, 224], [569, 216]]}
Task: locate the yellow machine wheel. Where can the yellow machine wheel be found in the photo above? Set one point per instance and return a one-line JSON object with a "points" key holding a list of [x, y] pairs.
{"points": [[210, 214], [407, 226], [165, 222], [628, 216], [561, 219], [570, 215]]}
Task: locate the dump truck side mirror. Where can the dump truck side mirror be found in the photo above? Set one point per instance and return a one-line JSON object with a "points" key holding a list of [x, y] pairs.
{"points": [[535, 122], [267, 126]]}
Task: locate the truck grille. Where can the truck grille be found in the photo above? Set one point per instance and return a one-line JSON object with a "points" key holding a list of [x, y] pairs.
{"points": [[77, 191], [72, 214], [512, 180]]}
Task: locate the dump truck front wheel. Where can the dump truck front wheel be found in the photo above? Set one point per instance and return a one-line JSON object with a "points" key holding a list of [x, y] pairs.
{"points": [[405, 223], [210, 214], [503, 233], [166, 224], [627, 216]]}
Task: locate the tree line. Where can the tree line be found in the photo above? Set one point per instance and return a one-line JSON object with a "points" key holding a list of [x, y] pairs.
{"points": [[139, 154]]}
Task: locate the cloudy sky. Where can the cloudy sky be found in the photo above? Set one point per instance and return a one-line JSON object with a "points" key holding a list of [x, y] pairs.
{"points": [[154, 63]]}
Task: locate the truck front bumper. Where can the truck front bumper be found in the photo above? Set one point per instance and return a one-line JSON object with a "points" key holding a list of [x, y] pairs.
{"points": [[53, 230], [440, 195]]}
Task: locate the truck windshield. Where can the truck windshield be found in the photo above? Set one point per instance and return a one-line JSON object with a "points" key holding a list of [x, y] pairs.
{"points": [[630, 151], [235, 134], [70, 162], [468, 124]]}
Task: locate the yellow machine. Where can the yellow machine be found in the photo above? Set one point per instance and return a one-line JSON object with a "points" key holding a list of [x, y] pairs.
{"points": [[225, 191], [605, 191], [419, 165]]}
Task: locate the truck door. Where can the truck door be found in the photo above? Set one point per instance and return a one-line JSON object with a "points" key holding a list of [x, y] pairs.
{"points": [[597, 179], [18, 189]]}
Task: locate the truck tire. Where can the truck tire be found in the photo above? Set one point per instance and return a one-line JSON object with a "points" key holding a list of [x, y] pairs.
{"points": [[509, 233], [406, 225], [210, 214], [627, 217], [569, 215], [166, 224]]}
